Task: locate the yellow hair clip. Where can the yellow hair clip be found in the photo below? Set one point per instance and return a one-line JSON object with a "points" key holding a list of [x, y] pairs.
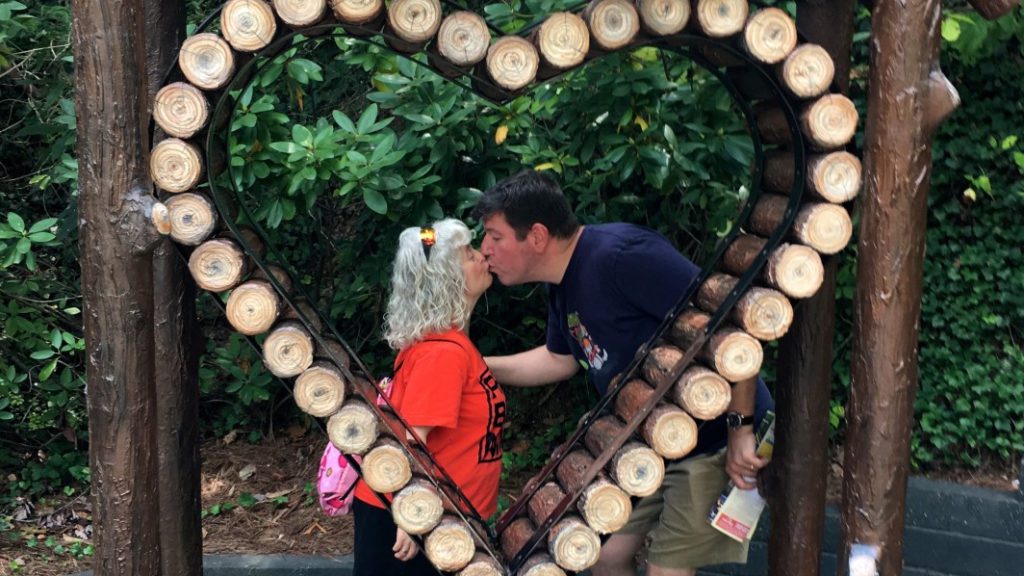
{"points": [[427, 237]]}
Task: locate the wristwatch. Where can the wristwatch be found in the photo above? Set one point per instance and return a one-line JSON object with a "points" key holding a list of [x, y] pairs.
{"points": [[736, 420]]}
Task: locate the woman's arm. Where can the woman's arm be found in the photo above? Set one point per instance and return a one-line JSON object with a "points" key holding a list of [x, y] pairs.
{"points": [[532, 368]]}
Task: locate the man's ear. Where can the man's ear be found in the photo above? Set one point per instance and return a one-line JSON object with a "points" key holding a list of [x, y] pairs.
{"points": [[538, 237]]}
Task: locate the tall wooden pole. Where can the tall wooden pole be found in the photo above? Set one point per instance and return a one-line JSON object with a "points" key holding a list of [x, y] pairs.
{"points": [[176, 346], [117, 282], [908, 97], [800, 463]]}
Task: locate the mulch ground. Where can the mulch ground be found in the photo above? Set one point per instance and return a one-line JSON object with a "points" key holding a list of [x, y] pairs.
{"points": [[260, 499]]}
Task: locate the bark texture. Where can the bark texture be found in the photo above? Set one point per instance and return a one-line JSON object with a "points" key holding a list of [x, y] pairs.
{"points": [[800, 460]]}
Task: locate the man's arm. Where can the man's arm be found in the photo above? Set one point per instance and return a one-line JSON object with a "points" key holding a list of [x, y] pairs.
{"points": [[532, 368], [742, 462]]}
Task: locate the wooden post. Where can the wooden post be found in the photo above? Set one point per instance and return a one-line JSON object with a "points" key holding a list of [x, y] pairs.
{"points": [[117, 242], [907, 99], [800, 462]]}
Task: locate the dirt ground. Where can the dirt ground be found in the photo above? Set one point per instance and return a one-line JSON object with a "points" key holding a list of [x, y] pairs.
{"points": [[260, 499]]}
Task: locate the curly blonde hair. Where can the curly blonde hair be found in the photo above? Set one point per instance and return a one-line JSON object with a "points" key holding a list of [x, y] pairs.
{"points": [[428, 295]]}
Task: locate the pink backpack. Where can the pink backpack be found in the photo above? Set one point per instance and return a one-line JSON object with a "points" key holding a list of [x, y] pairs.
{"points": [[336, 480]]}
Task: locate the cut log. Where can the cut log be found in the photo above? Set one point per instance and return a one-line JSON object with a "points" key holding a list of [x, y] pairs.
{"points": [[249, 241], [663, 358], [663, 17], [515, 536], [635, 468], [248, 25], [386, 467], [808, 71], [614, 24], [562, 41], [193, 218], [834, 177], [357, 11], [543, 502], [732, 353], [483, 564], [161, 218], [702, 393], [687, 328], [632, 396], [288, 350], [830, 121], [307, 310], [253, 307], [764, 313], [300, 13], [540, 564], [772, 125], [278, 273], [463, 39], [793, 269], [670, 432], [721, 18], [769, 36], [413, 22], [330, 349], [207, 61], [994, 9], [512, 62], [604, 506], [825, 227], [320, 389], [417, 508], [175, 165], [181, 110], [571, 469], [217, 265], [573, 545], [354, 428]]}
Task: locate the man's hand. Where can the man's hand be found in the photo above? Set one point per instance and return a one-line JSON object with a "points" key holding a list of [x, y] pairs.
{"points": [[741, 460], [405, 547]]}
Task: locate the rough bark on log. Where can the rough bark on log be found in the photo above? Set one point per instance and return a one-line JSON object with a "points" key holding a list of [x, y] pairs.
{"points": [[732, 353], [808, 71], [482, 564], [769, 36], [248, 25], [663, 17], [512, 62], [175, 165], [181, 110], [825, 227], [614, 24], [417, 508], [563, 41], [354, 428], [308, 311], [278, 273], [328, 348], [386, 467], [540, 564], [300, 13], [193, 218], [217, 265], [414, 22], [207, 61], [253, 307], [994, 9], [288, 349], [720, 18], [834, 177], [571, 469], [515, 536], [702, 393], [543, 502], [357, 11], [793, 269], [573, 545], [320, 390], [463, 39], [659, 363]]}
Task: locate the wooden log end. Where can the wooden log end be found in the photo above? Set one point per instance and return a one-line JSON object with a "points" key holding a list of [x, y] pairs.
{"points": [[217, 265], [512, 62], [450, 546], [193, 218], [605, 506], [418, 507], [181, 109], [769, 35], [734, 354], [637, 469], [253, 307], [614, 24], [463, 39], [670, 432], [175, 165], [830, 121], [320, 390], [248, 25], [764, 313], [663, 17], [207, 61], [288, 349], [702, 393], [354, 428], [808, 71], [300, 13], [563, 40], [386, 467], [721, 18], [573, 545]]}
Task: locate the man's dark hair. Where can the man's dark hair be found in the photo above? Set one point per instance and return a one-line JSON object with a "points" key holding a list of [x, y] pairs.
{"points": [[526, 198]]}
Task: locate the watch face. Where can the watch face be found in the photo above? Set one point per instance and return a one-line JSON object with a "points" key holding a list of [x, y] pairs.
{"points": [[733, 420]]}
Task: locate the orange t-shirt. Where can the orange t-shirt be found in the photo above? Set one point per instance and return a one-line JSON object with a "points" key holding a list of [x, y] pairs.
{"points": [[444, 383]]}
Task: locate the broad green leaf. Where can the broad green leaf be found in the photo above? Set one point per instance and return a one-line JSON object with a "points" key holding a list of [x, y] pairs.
{"points": [[375, 201], [15, 222]]}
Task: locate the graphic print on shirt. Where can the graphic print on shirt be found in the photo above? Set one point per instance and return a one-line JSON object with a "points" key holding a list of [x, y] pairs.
{"points": [[490, 444], [596, 356]]}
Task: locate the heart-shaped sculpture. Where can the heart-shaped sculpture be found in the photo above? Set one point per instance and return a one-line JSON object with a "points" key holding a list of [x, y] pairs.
{"points": [[719, 322]]}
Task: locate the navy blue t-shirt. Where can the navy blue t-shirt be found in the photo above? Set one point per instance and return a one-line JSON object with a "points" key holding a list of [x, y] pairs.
{"points": [[620, 283]]}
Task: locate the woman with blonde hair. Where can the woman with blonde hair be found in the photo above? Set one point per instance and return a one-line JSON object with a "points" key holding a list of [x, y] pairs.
{"points": [[441, 386]]}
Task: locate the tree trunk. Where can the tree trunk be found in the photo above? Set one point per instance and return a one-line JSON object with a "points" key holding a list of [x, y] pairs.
{"points": [[796, 479], [904, 94], [117, 287], [176, 332]]}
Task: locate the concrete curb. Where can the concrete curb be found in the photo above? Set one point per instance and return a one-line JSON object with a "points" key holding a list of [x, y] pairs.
{"points": [[951, 530]]}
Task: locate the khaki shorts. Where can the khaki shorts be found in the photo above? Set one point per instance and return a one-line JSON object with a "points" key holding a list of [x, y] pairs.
{"points": [[675, 517]]}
